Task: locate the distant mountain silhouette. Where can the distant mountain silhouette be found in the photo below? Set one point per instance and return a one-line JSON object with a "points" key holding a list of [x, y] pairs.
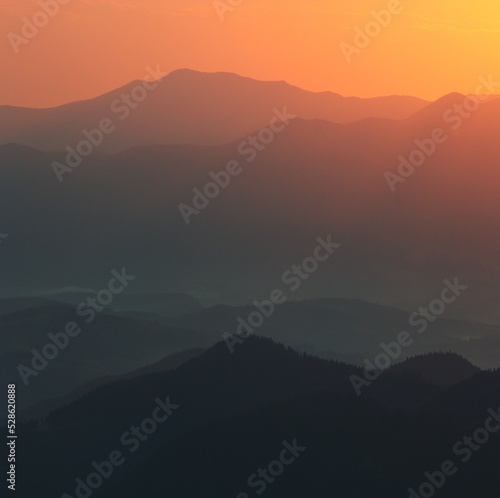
{"points": [[190, 107], [11, 305], [165, 304], [314, 179], [109, 345]]}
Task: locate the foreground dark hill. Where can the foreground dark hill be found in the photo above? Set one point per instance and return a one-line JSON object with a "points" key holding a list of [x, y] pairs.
{"points": [[213, 386], [280, 395], [189, 107], [115, 344], [442, 369], [351, 449], [171, 362], [473, 395], [352, 331]]}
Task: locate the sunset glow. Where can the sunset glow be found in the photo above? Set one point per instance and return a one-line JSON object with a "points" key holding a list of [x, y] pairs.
{"points": [[92, 46]]}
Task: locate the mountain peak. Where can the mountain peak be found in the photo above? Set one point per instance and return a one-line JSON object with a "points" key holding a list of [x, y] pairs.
{"points": [[441, 369], [435, 110]]}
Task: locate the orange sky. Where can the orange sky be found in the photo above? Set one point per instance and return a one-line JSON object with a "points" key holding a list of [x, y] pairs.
{"points": [[91, 46]]}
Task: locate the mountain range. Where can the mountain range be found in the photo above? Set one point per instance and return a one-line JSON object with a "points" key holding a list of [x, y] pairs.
{"points": [[281, 395], [313, 180], [279, 245], [188, 107]]}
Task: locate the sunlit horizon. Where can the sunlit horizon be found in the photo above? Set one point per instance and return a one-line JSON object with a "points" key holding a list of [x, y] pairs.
{"points": [[427, 50]]}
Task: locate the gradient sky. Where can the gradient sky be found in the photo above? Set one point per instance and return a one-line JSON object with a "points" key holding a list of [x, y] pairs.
{"points": [[93, 46]]}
